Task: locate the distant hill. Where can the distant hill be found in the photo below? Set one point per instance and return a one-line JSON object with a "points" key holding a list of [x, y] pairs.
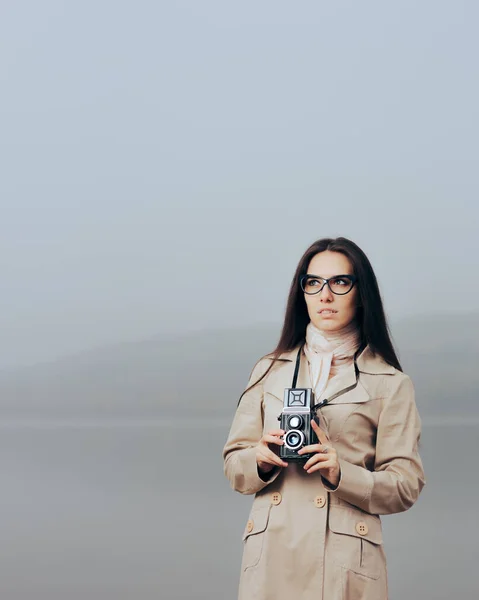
{"points": [[441, 354], [204, 373]]}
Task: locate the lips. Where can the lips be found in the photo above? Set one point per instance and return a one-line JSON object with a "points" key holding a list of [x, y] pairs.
{"points": [[327, 311]]}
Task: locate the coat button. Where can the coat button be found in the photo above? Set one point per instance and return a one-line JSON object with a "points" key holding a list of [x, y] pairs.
{"points": [[276, 498], [362, 528], [249, 526], [320, 501]]}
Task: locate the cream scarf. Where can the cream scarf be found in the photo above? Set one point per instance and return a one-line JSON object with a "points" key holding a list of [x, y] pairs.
{"points": [[329, 352]]}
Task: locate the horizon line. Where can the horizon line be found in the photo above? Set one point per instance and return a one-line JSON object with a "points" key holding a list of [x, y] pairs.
{"points": [[169, 336]]}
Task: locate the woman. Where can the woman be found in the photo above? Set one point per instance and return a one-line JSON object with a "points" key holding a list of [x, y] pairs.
{"points": [[314, 531]]}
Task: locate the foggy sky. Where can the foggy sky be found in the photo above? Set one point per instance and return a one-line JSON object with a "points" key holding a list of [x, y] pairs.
{"points": [[165, 165]]}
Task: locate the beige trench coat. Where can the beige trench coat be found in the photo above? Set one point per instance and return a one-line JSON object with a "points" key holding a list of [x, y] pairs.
{"points": [[303, 540]]}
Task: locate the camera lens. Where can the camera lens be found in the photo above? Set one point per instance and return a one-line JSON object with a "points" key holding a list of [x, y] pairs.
{"points": [[293, 439], [295, 422]]}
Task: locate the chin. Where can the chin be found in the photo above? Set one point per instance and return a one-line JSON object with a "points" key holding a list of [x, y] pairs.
{"points": [[328, 325]]}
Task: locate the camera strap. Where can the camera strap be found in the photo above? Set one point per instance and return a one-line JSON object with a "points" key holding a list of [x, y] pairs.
{"points": [[334, 396], [296, 368], [341, 392]]}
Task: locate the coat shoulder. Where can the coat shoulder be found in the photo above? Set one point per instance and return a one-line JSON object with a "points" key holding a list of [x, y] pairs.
{"points": [[267, 361], [400, 381], [383, 380], [394, 390]]}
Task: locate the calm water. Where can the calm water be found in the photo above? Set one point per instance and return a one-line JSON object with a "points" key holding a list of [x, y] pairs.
{"points": [[133, 511]]}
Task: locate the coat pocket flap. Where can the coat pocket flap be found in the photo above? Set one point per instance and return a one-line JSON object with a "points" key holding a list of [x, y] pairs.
{"points": [[257, 522], [361, 525]]}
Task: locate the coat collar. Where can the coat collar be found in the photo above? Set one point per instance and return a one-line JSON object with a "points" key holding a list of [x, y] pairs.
{"points": [[367, 361]]}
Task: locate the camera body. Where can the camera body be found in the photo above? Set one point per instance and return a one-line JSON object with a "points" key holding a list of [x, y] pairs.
{"points": [[295, 421]]}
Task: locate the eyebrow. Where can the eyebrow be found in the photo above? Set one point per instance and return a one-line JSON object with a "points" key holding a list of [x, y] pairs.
{"points": [[331, 277]]}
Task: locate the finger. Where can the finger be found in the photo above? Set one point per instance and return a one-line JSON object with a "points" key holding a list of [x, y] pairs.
{"points": [[310, 448], [272, 439], [323, 448], [276, 432], [320, 466], [314, 459], [270, 457]]}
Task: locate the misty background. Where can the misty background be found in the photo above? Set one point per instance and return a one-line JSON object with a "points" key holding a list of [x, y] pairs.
{"points": [[163, 168]]}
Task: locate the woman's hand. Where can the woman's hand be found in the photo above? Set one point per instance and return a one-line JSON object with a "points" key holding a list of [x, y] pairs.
{"points": [[266, 459], [325, 458]]}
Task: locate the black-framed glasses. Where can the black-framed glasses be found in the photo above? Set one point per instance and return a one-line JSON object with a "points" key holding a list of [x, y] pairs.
{"points": [[339, 284]]}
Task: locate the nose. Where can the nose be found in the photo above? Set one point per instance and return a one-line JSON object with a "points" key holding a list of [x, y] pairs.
{"points": [[325, 295]]}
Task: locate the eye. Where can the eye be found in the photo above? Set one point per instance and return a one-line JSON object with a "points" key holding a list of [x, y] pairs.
{"points": [[341, 281], [313, 282]]}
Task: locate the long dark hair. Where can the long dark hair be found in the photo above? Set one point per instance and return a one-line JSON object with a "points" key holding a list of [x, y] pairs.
{"points": [[370, 315]]}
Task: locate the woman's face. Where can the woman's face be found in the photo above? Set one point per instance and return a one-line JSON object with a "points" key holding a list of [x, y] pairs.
{"points": [[343, 308]]}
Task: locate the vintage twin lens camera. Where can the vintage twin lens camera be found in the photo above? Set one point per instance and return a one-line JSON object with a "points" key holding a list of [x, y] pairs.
{"points": [[296, 422]]}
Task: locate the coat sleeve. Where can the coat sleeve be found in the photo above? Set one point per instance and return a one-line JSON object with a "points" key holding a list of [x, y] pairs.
{"points": [[398, 476], [239, 453]]}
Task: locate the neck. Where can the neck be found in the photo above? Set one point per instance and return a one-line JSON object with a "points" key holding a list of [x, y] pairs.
{"points": [[337, 334]]}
